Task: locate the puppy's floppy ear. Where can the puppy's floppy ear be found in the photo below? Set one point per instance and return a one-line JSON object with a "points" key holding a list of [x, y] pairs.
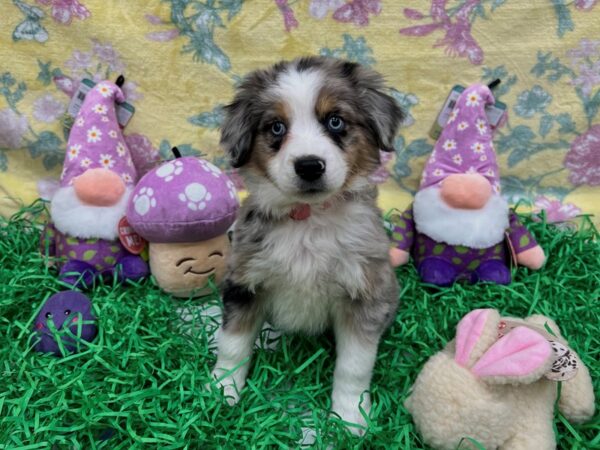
{"points": [[242, 117], [237, 131], [384, 114]]}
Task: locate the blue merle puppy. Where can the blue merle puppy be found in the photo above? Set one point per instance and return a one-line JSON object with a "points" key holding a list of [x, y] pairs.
{"points": [[309, 250]]}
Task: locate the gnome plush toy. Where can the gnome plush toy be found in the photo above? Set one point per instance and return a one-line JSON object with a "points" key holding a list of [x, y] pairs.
{"points": [[457, 226], [97, 180]]}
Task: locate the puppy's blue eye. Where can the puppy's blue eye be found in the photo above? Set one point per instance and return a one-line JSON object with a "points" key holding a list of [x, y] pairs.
{"points": [[335, 124], [278, 129]]}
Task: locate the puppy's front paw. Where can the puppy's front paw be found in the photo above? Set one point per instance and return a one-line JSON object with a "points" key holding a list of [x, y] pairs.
{"points": [[230, 386], [347, 407]]}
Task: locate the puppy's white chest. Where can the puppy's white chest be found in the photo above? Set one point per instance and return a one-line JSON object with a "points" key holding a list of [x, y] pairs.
{"points": [[306, 269]]}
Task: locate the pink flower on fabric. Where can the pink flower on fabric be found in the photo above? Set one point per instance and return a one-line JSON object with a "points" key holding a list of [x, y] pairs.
{"points": [[410, 13], [63, 11], [458, 39], [108, 55], [289, 19], [320, 8], [86, 162], [47, 109], [160, 36], [145, 155], [66, 85], [163, 36], [585, 62], [462, 126], [555, 210], [583, 159], [589, 76], [586, 5], [12, 129], [382, 173], [79, 61], [587, 48], [153, 19], [357, 11]]}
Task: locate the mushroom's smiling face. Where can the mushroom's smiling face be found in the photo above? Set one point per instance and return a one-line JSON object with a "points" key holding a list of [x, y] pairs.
{"points": [[200, 267], [183, 269]]}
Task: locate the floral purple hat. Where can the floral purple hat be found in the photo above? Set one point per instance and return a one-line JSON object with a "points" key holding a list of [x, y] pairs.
{"points": [[184, 200], [465, 145], [96, 140]]}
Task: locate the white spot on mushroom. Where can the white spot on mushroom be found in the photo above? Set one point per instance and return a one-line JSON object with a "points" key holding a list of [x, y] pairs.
{"points": [[196, 196], [144, 200], [211, 168], [232, 192], [170, 170]]}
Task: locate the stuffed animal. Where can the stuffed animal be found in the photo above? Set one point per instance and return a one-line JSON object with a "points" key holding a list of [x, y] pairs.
{"points": [[66, 311], [184, 209], [96, 182], [496, 382], [457, 225]]}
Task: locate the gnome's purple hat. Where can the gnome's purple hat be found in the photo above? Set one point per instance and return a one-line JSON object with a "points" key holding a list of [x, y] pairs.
{"points": [[465, 145], [96, 140]]}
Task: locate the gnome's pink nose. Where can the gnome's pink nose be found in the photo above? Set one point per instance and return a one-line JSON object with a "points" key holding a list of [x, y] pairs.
{"points": [[99, 187], [466, 191]]}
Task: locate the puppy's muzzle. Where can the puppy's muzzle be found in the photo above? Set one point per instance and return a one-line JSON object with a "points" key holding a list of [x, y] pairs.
{"points": [[309, 168]]}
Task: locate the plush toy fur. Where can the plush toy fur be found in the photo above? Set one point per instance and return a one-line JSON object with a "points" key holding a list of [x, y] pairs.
{"points": [[494, 390]]}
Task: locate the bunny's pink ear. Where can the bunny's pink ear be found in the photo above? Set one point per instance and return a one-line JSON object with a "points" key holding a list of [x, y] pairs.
{"points": [[521, 356], [474, 334]]}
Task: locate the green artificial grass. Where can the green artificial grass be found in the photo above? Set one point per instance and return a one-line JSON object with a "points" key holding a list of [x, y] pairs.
{"points": [[141, 384]]}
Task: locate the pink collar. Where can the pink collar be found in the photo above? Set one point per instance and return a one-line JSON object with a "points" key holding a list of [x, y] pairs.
{"points": [[302, 211]]}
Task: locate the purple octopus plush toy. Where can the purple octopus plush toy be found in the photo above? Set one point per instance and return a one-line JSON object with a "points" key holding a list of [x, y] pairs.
{"points": [[69, 309], [459, 226], [95, 186]]}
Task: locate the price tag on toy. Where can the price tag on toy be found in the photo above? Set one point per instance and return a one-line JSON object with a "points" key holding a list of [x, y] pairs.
{"points": [[132, 241], [125, 110], [493, 112]]}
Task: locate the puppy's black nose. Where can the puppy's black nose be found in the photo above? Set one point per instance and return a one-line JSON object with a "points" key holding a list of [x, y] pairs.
{"points": [[309, 168]]}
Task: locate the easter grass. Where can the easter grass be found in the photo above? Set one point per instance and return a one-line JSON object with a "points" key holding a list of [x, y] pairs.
{"points": [[141, 383]]}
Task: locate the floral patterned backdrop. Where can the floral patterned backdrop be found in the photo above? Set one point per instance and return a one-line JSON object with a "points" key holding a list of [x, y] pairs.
{"points": [[183, 58]]}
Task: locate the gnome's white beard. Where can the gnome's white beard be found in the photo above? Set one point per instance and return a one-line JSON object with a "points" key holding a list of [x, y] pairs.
{"points": [[73, 217], [474, 228]]}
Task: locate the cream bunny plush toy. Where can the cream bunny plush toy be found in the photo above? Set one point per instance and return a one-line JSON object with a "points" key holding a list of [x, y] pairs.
{"points": [[496, 382]]}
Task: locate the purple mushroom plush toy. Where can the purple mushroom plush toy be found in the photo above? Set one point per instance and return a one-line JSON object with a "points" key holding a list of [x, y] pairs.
{"points": [[184, 209], [69, 309]]}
